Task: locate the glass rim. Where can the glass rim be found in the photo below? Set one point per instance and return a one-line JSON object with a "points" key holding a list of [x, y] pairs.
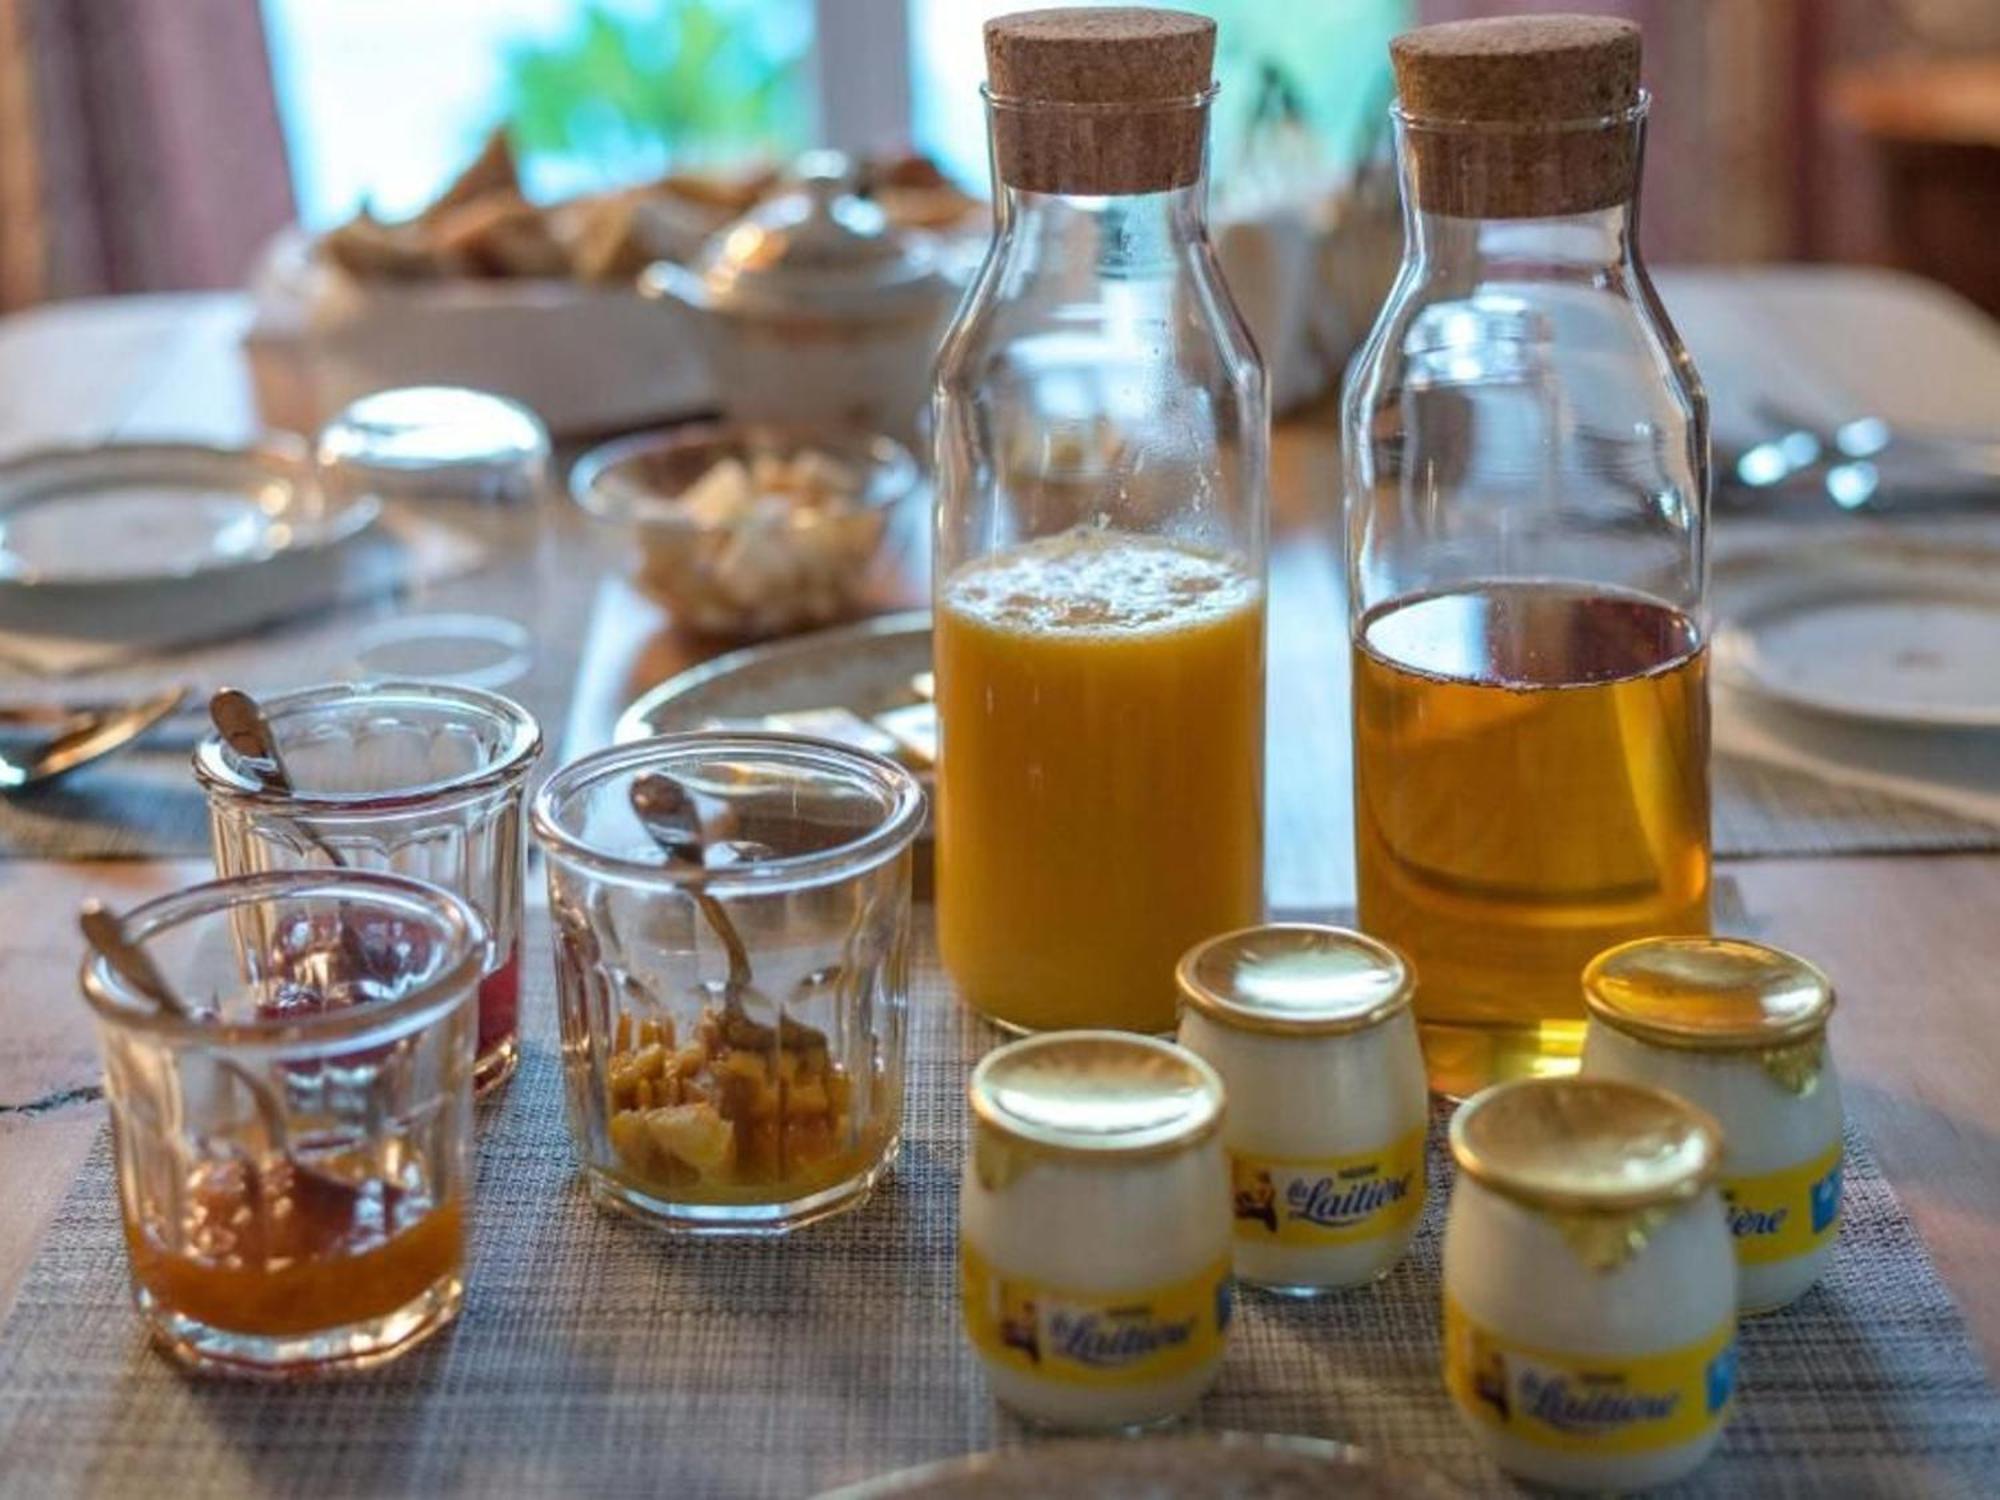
{"points": [[121, 1004], [217, 770], [1166, 104], [1633, 114], [893, 834]]}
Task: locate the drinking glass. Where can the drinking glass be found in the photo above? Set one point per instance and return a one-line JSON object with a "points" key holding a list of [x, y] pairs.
{"points": [[293, 1157], [733, 1032], [479, 465], [420, 778]]}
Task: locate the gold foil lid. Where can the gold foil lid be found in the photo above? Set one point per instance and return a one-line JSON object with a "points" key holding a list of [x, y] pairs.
{"points": [[1589, 1146], [1094, 1094], [1295, 979], [1710, 995]]}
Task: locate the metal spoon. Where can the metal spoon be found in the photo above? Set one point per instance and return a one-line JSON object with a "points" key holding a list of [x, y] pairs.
{"points": [[668, 812], [245, 729], [316, 1190], [80, 738], [671, 816]]}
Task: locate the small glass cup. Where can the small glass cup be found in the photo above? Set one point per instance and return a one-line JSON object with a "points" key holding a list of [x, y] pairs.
{"points": [[420, 778], [293, 1160], [480, 465], [733, 1031]]}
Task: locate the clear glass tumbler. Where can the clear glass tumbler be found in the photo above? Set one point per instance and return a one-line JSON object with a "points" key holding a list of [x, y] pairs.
{"points": [[418, 778], [293, 1157], [733, 1029]]}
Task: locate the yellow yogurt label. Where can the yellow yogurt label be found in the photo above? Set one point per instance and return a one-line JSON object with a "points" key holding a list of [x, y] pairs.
{"points": [[1584, 1403], [1784, 1214], [1087, 1339], [1332, 1200]]}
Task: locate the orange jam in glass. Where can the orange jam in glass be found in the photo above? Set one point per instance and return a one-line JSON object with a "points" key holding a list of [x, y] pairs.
{"points": [[1100, 783], [272, 1251]]}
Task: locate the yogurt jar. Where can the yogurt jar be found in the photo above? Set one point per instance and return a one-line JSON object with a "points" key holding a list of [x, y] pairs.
{"points": [[1310, 1028], [1589, 1282], [1739, 1029], [1094, 1228]]}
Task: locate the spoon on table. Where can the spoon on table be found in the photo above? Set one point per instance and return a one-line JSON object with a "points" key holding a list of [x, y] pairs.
{"points": [[316, 1191], [78, 738]]}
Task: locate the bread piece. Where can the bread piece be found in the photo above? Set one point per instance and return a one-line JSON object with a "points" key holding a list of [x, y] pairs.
{"points": [[500, 235], [492, 171]]}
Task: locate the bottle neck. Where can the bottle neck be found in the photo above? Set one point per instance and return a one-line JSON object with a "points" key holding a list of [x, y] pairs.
{"points": [[1584, 246], [1522, 201], [1125, 237]]}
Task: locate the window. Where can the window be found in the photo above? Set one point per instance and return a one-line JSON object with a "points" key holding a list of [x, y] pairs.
{"points": [[383, 100], [1305, 87]]}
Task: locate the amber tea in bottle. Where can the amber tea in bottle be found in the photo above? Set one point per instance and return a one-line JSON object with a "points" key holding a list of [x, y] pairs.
{"points": [[1527, 454]]}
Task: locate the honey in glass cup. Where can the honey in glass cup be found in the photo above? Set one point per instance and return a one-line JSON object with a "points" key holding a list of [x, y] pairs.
{"points": [[293, 1159]]}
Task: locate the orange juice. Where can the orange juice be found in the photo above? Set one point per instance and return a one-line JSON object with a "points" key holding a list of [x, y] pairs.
{"points": [[1100, 786]]}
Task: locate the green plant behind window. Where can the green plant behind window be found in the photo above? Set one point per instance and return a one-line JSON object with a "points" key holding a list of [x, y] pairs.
{"points": [[634, 90]]}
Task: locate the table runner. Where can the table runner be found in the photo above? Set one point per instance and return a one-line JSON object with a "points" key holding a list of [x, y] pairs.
{"points": [[596, 1357]]}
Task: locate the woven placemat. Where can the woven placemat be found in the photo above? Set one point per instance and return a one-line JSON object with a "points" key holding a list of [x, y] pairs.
{"points": [[145, 805], [595, 1357]]}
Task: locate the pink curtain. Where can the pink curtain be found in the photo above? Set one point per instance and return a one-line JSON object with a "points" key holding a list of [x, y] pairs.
{"points": [[140, 147]]}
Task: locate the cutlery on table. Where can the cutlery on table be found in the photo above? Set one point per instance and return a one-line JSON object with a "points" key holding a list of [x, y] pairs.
{"points": [[73, 737]]}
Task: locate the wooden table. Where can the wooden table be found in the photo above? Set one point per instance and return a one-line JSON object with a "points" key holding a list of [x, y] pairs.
{"points": [[1912, 941]]}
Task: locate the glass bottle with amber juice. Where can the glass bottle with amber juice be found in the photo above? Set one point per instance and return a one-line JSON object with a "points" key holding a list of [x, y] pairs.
{"points": [[1526, 451], [1101, 437]]}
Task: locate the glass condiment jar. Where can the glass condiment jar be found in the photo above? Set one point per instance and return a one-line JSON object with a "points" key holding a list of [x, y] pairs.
{"points": [[1094, 1228], [1310, 1028], [1102, 436], [1589, 1287], [1739, 1029], [1526, 451]]}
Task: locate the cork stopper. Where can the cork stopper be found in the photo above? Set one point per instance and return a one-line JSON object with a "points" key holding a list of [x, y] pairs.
{"points": [[1520, 117], [1099, 101]]}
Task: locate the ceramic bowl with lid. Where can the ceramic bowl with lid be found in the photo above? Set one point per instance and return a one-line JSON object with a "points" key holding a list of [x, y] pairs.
{"points": [[1738, 1028], [1589, 1284], [812, 308], [1311, 1030], [1094, 1228]]}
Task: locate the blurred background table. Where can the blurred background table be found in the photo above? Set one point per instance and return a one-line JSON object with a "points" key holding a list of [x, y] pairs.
{"points": [[1910, 939]]}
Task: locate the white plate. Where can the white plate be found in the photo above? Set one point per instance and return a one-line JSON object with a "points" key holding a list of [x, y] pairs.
{"points": [[137, 515], [866, 668], [1195, 1466], [1877, 629]]}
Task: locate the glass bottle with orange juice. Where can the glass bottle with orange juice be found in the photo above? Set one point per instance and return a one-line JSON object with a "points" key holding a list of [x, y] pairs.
{"points": [[1102, 438]]}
